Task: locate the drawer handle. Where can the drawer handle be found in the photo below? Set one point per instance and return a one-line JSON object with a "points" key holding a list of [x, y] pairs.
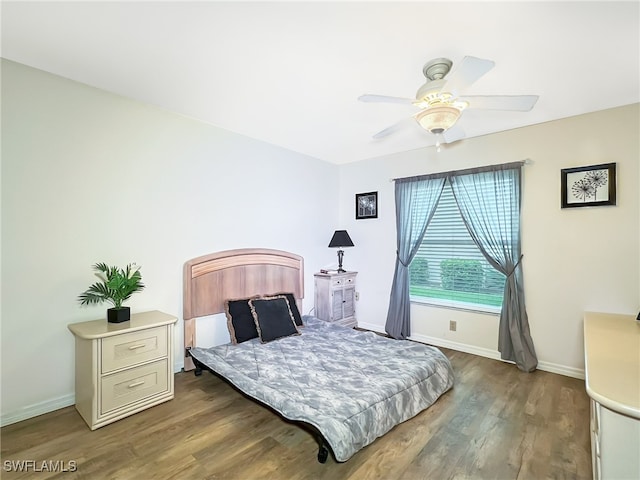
{"points": [[136, 384], [138, 345]]}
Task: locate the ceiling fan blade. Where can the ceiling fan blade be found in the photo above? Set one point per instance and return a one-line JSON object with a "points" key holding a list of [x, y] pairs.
{"points": [[519, 103], [453, 134], [395, 127], [385, 99], [466, 73]]}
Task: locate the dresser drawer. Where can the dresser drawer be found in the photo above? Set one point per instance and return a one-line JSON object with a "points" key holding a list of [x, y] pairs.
{"points": [[129, 349], [132, 385]]}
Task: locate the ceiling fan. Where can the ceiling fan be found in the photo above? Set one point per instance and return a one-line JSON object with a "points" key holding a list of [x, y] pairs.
{"points": [[440, 103]]}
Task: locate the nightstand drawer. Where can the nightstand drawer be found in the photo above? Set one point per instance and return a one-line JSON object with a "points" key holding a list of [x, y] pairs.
{"points": [[129, 349], [335, 282], [132, 385]]}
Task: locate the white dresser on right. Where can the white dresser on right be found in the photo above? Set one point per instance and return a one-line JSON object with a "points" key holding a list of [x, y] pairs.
{"points": [[612, 375]]}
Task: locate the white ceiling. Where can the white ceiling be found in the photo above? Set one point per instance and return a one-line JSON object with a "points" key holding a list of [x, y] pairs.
{"points": [[290, 73]]}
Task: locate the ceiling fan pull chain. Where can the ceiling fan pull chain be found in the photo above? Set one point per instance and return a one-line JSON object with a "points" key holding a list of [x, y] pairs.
{"points": [[438, 138]]}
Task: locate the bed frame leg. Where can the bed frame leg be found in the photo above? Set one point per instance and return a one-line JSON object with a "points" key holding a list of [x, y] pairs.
{"points": [[198, 371], [323, 452]]}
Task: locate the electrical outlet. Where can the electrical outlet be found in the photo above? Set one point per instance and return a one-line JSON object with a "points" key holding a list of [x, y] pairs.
{"points": [[357, 296], [453, 325]]}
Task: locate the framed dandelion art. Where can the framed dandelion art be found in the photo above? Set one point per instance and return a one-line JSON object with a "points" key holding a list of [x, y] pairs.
{"points": [[366, 205], [588, 186]]}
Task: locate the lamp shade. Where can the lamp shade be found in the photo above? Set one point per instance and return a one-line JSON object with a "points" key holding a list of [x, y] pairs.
{"points": [[340, 239]]}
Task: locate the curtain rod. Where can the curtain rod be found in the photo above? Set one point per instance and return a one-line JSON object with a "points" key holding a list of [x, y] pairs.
{"points": [[466, 171]]}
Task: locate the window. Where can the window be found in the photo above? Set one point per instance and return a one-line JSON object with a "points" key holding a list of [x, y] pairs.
{"points": [[449, 269]]}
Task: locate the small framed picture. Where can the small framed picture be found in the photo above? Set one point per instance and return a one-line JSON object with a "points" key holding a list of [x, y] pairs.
{"points": [[366, 205], [588, 186]]}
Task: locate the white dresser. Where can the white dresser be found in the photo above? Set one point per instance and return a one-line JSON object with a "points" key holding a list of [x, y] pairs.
{"points": [[335, 298], [612, 370], [123, 368]]}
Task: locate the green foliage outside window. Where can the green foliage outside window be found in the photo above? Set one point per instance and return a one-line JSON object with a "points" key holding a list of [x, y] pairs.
{"points": [[419, 271], [461, 275], [493, 281]]}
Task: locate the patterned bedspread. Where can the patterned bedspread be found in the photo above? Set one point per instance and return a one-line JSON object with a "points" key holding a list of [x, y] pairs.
{"points": [[352, 386]]}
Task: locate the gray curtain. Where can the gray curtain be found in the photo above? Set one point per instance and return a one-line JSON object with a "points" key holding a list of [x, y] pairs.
{"points": [[489, 202], [416, 200]]}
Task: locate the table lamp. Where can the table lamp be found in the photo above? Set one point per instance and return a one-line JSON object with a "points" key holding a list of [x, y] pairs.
{"points": [[339, 240]]}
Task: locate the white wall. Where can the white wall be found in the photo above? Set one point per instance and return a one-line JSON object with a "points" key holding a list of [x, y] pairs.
{"points": [[88, 176], [574, 259]]}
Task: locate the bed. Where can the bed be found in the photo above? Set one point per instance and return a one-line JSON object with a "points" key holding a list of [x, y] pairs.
{"points": [[348, 386]]}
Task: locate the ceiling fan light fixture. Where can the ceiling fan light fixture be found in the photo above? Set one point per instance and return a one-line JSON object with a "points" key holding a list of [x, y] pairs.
{"points": [[438, 119]]}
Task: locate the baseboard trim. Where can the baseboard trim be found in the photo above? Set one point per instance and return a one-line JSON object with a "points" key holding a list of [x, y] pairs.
{"points": [[370, 326], [495, 355], [562, 370], [36, 409], [483, 352], [460, 347]]}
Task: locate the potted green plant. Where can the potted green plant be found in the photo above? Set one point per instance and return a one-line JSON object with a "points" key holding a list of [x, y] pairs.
{"points": [[116, 286]]}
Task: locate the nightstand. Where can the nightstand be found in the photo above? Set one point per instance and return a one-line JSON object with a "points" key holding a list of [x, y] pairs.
{"points": [[123, 368], [335, 298]]}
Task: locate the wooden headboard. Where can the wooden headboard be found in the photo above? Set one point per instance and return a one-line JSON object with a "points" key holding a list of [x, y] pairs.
{"points": [[211, 279]]}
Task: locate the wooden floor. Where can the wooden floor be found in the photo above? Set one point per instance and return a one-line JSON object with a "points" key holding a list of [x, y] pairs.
{"points": [[496, 423]]}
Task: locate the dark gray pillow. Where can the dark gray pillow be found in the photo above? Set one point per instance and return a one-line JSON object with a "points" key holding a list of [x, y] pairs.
{"points": [[294, 307], [273, 318], [240, 322]]}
